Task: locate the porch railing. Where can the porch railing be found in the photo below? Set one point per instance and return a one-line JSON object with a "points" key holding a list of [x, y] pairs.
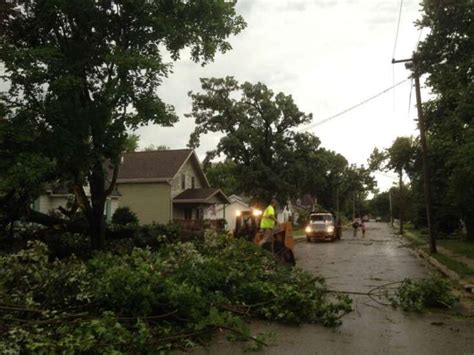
{"points": [[200, 224]]}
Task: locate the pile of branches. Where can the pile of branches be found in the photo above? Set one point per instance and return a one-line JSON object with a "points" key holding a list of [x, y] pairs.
{"points": [[146, 301]]}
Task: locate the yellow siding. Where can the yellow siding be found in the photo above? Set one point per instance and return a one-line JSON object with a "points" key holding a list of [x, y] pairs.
{"points": [[150, 201]]}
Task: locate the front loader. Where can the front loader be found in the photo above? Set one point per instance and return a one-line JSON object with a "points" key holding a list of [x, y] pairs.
{"points": [[247, 226]]}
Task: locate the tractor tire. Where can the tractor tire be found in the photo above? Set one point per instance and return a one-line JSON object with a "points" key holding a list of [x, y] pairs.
{"points": [[282, 253]]}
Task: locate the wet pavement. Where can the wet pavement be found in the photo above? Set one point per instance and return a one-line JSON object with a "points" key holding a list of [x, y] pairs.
{"points": [[358, 265]]}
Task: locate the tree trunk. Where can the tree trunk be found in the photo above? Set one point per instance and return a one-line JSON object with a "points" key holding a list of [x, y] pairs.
{"points": [[96, 214], [401, 204], [97, 224], [469, 229]]}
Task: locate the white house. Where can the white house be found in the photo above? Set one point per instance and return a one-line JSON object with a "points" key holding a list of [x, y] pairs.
{"points": [[227, 212], [56, 197]]}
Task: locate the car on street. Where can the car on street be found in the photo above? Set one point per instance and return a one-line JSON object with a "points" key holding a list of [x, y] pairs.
{"points": [[322, 226]]}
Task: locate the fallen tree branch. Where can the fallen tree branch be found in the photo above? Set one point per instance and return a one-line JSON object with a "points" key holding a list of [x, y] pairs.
{"points": [[21, 309], [248, 337], [159, 316]]}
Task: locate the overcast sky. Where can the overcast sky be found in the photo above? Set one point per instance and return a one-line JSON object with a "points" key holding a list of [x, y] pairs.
{"points": [[329, 55]]}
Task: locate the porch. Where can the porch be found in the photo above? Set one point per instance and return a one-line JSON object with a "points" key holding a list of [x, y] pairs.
{"points": [[189, 207]]}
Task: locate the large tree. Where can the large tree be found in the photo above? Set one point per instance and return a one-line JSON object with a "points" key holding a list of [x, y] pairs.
{"points": [[399, 157], [82, 72], [446, 56], [257, 125]]}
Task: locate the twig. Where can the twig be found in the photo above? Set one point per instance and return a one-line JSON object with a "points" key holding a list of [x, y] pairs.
{"points": [[21, 309], [235, 310], [258, 341], [347, 292], [159, 316], [180, 336]]}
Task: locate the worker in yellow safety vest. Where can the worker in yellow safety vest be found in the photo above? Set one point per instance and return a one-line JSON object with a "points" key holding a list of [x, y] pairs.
{"points": [[268, 222]]}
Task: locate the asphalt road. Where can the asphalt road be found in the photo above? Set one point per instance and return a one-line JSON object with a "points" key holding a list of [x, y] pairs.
{"points": [[360, 264]]}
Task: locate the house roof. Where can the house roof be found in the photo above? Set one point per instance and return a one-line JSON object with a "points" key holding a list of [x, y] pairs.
{"points": [[234, 201], [158, 165], [203, 195]]}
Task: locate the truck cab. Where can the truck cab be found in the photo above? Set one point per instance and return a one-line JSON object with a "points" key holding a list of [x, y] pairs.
{"points": [[322, 226]]}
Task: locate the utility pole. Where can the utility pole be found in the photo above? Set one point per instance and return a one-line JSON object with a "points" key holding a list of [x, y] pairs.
{"points": [[401, 205], [424, 149], [390, 203], [353, 205]]}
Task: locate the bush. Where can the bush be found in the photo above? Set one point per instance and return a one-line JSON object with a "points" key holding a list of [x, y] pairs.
{"points": [[147, 301], [120, 231], [124, 216], [418, 295]]}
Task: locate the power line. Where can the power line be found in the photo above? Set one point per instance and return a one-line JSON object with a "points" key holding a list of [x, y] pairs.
{"points": [[398, 28], [409, 97], [385, 175], [312, 125]]}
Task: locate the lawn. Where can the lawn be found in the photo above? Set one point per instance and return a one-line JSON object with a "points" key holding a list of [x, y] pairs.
{"points": [[460, 247], [459, 267], [456, 246]]}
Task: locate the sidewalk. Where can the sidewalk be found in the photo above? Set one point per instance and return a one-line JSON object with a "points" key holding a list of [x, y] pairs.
{"points": [[455, 258]]}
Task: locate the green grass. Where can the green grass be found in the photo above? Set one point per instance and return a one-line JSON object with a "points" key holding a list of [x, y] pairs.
{"points": [[460, 247], [415, 237], [459, 267], [298, 232]]}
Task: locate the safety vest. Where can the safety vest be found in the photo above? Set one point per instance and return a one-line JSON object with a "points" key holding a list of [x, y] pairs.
{"points": [[267, 223]]}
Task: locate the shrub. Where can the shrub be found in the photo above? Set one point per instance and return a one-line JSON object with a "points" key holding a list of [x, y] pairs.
{"points": [[418, 295], [146, 301], [124, 216], [120, 231]]}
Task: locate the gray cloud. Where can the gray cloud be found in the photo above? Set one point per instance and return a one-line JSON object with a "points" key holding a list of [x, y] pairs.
{"points": [[328, 55]]}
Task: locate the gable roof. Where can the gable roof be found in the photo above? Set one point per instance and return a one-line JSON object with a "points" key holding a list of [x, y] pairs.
{"points": [[158, 165], [200, 195], [234, 201]]}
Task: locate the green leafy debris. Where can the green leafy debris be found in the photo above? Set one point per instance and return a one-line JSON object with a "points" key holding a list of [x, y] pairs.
{"points": [[142, 301], [419, 295]]}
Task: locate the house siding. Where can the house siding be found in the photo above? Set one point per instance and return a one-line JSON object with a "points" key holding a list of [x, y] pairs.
{"points": [[44, 204], [190, 171], [58, 201], [230, 213], [47, 203], [150, 201]]}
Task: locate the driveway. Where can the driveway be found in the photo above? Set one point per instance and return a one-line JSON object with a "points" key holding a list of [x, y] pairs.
{"points": [[358, 265]]}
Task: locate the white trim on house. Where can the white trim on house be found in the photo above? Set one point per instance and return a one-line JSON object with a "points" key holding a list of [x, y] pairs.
{"points": [[196, 161]]}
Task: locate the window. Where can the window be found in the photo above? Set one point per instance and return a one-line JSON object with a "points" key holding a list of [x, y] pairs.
{"points": [[193, 186], [183, 181]]}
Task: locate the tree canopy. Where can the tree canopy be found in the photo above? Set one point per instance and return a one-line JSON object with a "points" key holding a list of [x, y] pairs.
{"points": [[258, 132], [267, 154], [82, 72], [446, 56]]}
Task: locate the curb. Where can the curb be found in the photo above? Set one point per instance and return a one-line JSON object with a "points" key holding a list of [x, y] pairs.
{"points": [[440, 267]]}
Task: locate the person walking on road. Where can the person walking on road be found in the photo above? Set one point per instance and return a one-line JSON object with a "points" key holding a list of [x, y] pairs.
{"points": [[355, 226], [268, 222], [364, 226]]}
